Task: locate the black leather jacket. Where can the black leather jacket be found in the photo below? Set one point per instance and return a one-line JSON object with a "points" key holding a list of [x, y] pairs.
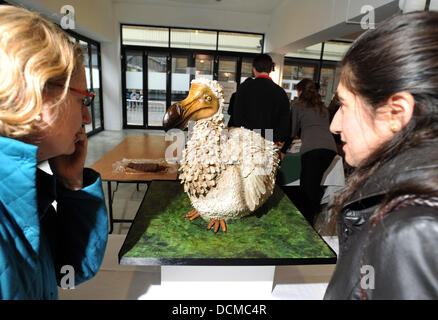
{"points": [[399, 258]]}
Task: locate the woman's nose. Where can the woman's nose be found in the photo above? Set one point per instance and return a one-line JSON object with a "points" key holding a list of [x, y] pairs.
{"points": [[86, 117], [335, 125]]}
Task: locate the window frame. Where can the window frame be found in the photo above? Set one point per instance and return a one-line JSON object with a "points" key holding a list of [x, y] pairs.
{"points": [[89, 42], [192, 28], [170, 51]]}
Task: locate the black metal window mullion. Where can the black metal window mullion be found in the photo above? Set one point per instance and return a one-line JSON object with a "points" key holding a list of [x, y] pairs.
{"points": [[238, 70], [317, 77], [168, 79], [216, 67], [124, 104], [192, 64], [90, 70], [99, 61], [145, 56]]}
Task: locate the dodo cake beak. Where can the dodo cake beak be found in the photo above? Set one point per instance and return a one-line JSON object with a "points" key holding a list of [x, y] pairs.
{"points": [[200, 103], [173, 118]]}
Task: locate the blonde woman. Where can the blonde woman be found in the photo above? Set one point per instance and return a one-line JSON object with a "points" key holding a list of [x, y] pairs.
{"points": [[43, 107]]}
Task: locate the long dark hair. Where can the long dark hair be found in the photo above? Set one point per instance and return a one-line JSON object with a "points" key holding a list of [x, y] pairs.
{"points": [[401, 55], [310, 97]]}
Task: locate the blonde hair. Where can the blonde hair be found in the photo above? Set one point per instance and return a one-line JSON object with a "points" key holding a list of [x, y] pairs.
{"points": [[34, 52]]}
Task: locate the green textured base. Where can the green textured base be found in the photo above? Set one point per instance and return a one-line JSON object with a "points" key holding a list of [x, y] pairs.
{"points": [[275, 234]]}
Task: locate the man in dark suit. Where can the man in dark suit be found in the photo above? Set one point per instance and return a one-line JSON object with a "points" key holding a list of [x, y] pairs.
{"points": [[262, 104]]}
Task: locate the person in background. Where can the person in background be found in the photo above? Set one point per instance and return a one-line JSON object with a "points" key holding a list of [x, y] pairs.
{"points": [[43, 107], [387, 215], [311, 117], [231, 105], [134, 95], [230, 110], [262, 104]]}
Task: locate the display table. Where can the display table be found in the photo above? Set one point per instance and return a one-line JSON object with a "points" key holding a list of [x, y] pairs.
{"points": [[276, 234], [243, 258], [133, 147]]}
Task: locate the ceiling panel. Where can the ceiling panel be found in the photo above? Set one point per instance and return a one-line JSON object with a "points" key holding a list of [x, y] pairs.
{"points": [[251, 6]]}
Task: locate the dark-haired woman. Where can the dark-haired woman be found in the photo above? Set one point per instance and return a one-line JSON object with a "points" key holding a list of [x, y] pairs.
{"points": [[388, 213], [318, 148]]}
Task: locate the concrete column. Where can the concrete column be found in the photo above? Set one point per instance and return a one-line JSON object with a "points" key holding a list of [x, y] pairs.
{"points": [[111, 85], [277, 75]]}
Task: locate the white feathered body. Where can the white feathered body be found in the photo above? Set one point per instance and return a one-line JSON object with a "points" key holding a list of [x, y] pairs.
{"points": [[227, 172]]}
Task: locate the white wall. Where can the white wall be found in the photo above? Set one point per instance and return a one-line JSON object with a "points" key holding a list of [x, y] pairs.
{"points": [[92, 17], [298, 24], [189, 17]]}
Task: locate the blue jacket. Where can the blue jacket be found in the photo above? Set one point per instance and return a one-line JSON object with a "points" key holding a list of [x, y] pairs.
{"points": [[36, 240]]}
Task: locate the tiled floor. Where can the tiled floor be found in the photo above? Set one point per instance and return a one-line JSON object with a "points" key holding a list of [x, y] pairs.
{"points": [[124, 282]]}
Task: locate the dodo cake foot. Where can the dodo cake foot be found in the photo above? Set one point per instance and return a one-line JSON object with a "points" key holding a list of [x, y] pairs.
{"points": [[192, 215], [216, 224]]}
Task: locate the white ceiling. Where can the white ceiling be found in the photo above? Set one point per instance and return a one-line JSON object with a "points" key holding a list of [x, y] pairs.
{"points": [[250, 6]]}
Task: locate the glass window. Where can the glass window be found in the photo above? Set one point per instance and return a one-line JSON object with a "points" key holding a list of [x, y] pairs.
{"points": [[91, 53], [227, 69], [335, 51], [311, 52], [134, 88], [96, 86], [294, 73], [246, 70], [180, 78], [145, 36], [86, 61], [204, 66], [241, 42], [298, 72], [157, 72], [193, 39], [327, 84]]}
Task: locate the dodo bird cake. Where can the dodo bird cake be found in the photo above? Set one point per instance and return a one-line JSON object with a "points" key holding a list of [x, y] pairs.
{"points": [[227, 173]]}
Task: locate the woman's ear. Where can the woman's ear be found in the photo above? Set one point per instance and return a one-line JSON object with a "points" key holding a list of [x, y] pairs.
{"points": [[400, 108]]}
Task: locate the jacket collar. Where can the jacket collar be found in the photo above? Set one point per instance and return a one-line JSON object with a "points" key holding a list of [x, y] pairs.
{"points": [[263, 76], [414, 163], [18, 192]]}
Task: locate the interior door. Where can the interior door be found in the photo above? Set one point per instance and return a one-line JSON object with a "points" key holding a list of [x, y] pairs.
{"points": [[157, 85], [134, 88]]}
